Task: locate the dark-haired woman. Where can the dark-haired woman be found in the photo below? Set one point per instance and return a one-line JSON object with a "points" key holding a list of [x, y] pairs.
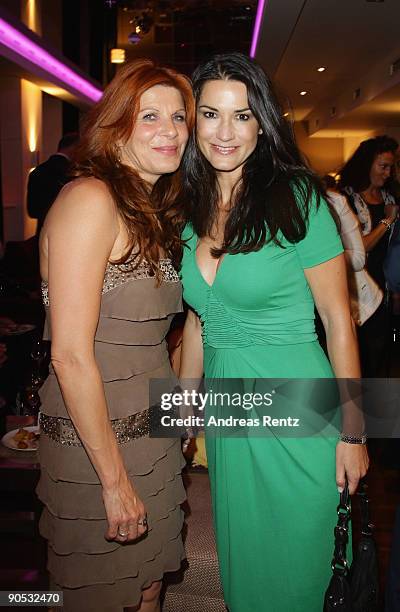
{"points": [[111, 494], [363, 179], [262, 248]]}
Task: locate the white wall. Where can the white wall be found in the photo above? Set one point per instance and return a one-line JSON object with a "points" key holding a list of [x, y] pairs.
{"points": [[51, 126], [329, 154], [31, 121], [324, 154]]}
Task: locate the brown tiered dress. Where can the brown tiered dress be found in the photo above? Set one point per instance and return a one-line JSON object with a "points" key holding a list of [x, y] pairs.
{"points": [[130, 349]]}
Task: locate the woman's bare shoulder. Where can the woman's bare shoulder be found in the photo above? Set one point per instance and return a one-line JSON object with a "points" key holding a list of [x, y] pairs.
{"points": [[83, 216], [86, 191], [86, 197]]}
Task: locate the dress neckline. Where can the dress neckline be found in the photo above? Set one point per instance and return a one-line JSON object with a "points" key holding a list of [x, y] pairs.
{"points": [[117, 275], [163, 261], [368, 203], [217, 271]]}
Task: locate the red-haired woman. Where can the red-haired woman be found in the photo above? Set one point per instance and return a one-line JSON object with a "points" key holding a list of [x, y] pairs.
{"points": [[111, 493]]}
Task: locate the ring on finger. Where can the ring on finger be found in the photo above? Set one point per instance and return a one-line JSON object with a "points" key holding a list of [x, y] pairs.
{"points": [[123, 534], [142, 521]]}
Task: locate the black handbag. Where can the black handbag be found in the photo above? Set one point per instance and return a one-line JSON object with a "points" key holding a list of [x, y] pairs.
{"points": [[353, 589]]}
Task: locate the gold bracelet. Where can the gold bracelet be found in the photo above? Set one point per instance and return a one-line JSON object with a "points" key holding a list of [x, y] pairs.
{"points": [[384, 222]]}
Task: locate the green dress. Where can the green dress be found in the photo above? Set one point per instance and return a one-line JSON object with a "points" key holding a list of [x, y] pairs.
{"points": [[274, 498]]}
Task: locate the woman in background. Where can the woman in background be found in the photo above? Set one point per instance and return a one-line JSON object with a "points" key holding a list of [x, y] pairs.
{"points": [[365, 295], [363, 179], [261, 249], [111, 494]]}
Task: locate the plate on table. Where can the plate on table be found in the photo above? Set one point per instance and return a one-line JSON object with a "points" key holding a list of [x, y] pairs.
{"points": [[24, 436]]}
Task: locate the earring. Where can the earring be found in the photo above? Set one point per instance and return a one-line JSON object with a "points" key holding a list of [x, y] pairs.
{"points": [[260, 132]]}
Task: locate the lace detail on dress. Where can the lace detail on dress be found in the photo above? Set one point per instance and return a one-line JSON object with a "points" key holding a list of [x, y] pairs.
{"points": [[168, 272], [45, 293], [118, 274]]}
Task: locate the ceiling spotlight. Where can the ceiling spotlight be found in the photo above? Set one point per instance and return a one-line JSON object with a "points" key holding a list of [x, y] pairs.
{"points": [[144, 23], [303, 93], [321, 69], [286, 114]]}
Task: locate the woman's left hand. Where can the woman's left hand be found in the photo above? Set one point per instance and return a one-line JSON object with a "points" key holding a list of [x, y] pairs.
{"points": [[351, 463]]}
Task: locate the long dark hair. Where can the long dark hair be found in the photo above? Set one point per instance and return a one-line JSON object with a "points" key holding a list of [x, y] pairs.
{"points": [[276, 186], [152, 216], [356, 172]]}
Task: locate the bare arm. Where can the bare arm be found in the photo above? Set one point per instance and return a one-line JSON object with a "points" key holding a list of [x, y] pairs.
{"points": [[328, 284], [372, 239], [192, 348], [191, 366], [81, 231]]}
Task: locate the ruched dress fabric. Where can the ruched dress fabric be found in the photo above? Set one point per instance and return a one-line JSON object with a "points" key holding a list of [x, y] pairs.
{"points": [[274, 498], [130, 349]]}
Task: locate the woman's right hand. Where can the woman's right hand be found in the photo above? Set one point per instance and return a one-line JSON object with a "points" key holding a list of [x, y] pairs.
{"points": [[125, 511], [391, 212]]}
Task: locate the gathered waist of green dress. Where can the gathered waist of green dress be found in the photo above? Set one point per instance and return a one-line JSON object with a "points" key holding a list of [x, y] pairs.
{"points": [[218, 334]]}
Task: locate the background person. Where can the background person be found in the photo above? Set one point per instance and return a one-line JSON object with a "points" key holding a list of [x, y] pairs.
{"points": [[47, 179], [363, 179]]}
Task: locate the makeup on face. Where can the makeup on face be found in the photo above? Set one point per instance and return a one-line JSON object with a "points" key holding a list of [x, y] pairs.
{"points": [[160, 134], [227, 131]]}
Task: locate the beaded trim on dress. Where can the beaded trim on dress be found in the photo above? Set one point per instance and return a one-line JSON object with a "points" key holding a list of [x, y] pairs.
{"points": [[129, 428], [118, 274]]}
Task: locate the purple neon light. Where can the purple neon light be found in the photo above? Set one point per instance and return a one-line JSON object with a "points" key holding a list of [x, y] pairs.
{"points": [[22, 45], [257, 26]]}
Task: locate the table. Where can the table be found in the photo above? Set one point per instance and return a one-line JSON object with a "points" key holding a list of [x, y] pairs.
{"points": [[23, 550], [19, 475]]}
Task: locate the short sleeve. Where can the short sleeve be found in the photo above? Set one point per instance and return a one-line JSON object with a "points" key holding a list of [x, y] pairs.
{"points": [[322, 241]]}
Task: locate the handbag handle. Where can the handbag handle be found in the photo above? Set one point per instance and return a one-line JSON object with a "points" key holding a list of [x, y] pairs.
{"points": [[339, 561]]}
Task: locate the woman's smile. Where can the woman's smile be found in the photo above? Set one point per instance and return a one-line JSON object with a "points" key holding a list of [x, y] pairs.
{"points": [[223, 150], [166, 150]]}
